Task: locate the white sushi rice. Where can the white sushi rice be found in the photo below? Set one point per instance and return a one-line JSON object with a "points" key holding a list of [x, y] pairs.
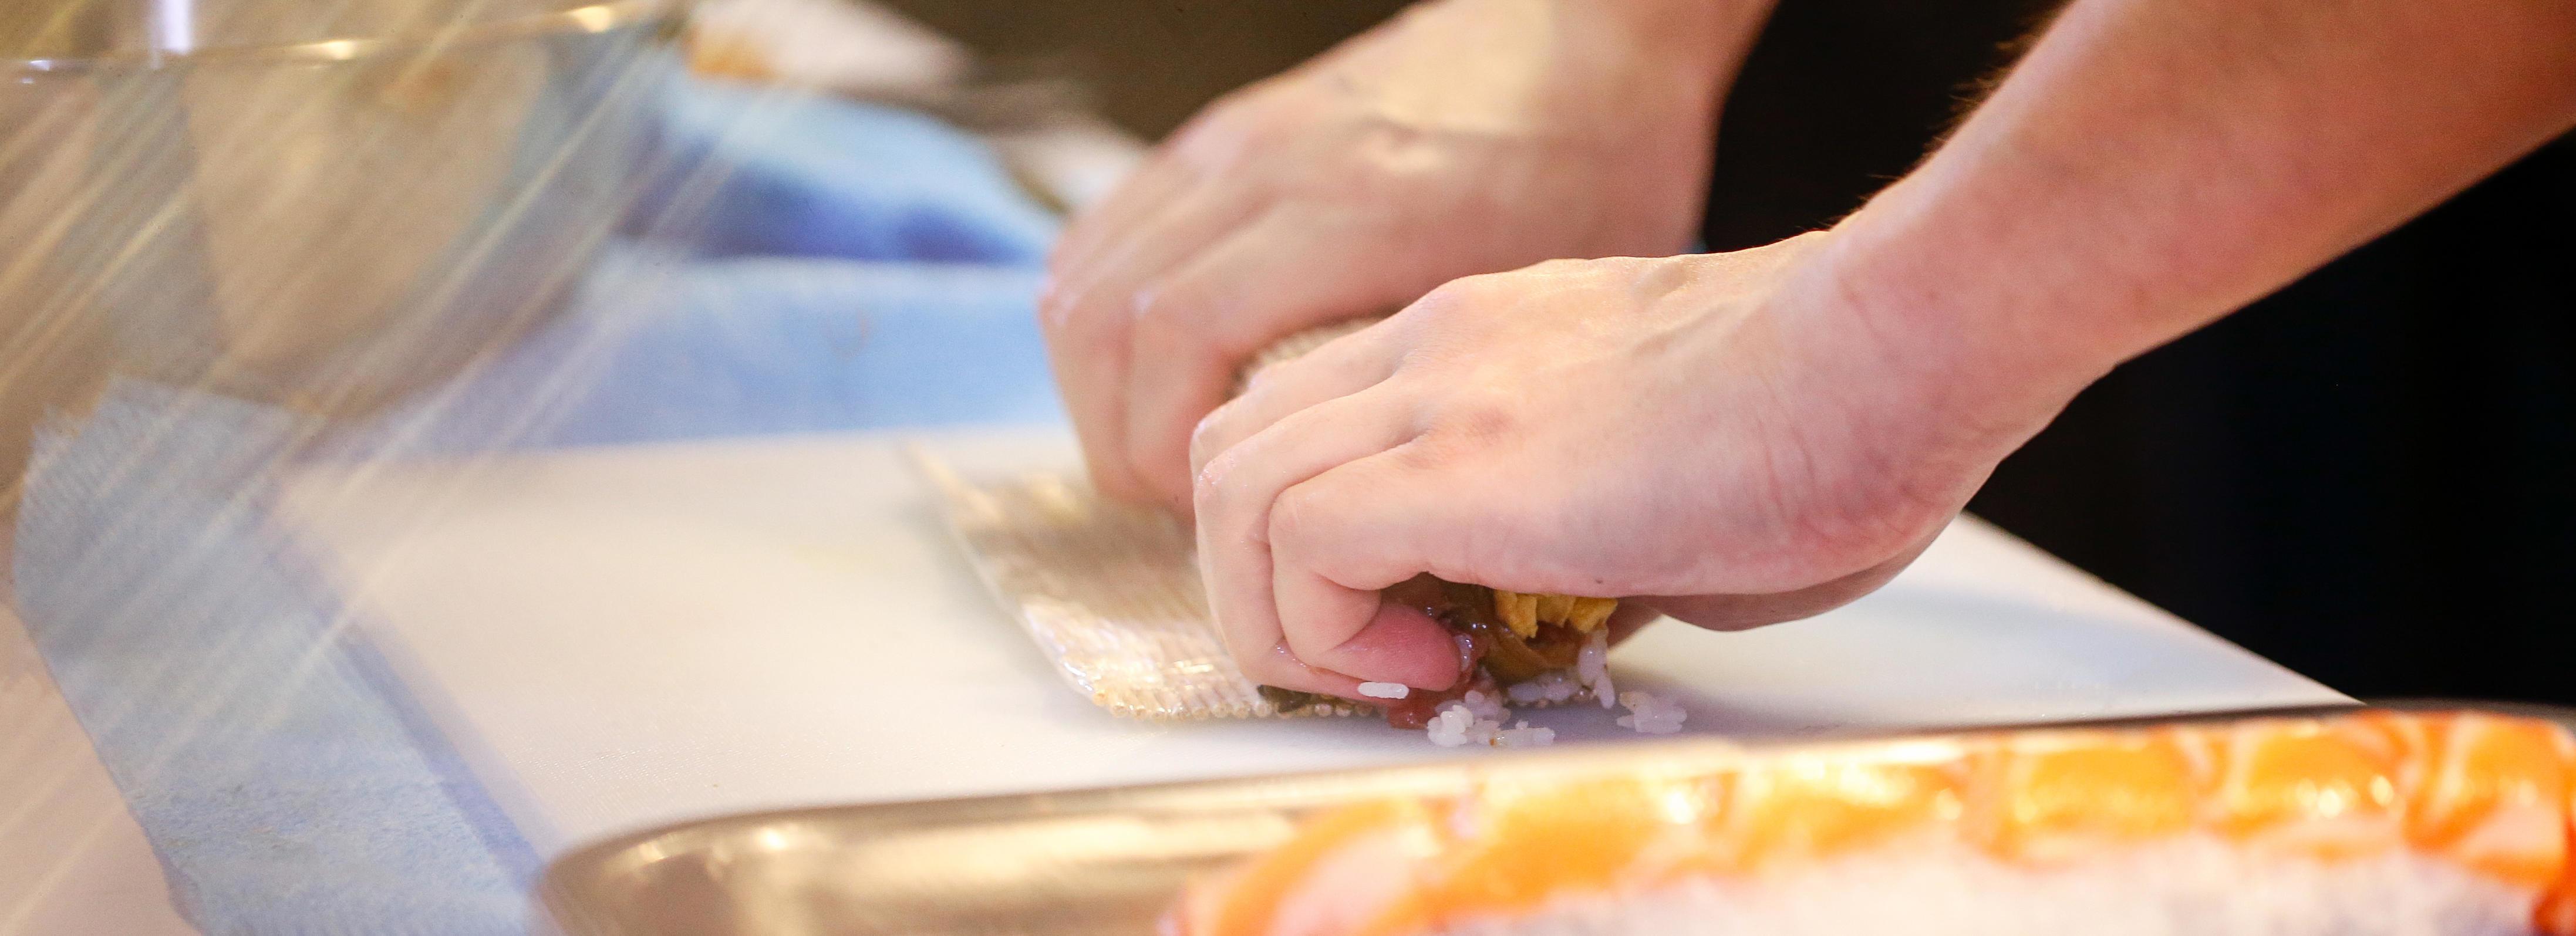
{"points": [[2193, 886], [1455, 726], [1479, 716], [1486, 706], [1522, 735], [1385, 690], [1549, 688], [1592, 667], [1478, 719], [1651, 714]]}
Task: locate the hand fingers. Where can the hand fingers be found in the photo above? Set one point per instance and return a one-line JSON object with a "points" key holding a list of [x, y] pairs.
{"points": [[1279, 667], [1339, 538], [1234, 500], [1137, 197], [1212, 145], [1088, 354], [1397, 643], [1342, 367], [1139, 251], [1091, 315], [1137, 254], [1284, 272]]}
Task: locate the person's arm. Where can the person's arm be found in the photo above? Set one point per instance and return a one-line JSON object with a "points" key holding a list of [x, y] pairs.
{"points": [[2153, 165], [1744, 438]]}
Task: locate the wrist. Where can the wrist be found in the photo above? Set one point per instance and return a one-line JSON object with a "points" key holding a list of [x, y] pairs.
{"points": [[1948, 342]]}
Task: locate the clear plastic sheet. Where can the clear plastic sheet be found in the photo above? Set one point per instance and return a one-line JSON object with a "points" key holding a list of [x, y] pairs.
{"points": [[243, 241]]}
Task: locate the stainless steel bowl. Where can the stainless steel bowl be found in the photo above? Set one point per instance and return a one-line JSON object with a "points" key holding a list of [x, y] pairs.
{"points": [[316, 205]]}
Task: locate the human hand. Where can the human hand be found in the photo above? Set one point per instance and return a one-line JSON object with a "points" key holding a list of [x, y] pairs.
{"points": [[1466, 136], [1719, 437]]}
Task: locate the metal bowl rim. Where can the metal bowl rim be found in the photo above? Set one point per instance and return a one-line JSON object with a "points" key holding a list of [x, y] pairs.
{"points": [[598, 17], [572, 892]]}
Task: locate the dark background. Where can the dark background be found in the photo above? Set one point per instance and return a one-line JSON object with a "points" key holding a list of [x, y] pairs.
{"points": [[2365, 477]]}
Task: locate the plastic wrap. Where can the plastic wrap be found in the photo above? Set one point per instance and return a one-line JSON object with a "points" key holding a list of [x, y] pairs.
{"points": [[244, 242]]}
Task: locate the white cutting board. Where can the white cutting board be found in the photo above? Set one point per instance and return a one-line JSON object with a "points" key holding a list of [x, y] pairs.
{"points": [[618, 638]]}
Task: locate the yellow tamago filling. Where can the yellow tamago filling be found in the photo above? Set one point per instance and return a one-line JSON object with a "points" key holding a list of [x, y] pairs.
{"points": [[1523, 613]]}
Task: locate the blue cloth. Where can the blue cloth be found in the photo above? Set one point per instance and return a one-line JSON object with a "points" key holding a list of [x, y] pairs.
{"points": [[659, 349], [285, 782], [801, 175], [862, 268]]}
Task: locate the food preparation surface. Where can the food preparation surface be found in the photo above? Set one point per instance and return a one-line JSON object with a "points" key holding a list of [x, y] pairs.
{"points": [[623, 637]]}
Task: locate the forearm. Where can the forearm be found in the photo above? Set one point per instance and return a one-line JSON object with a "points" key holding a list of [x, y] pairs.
{"points": [[1656, 57], [1706, 40], [2155, 164]]}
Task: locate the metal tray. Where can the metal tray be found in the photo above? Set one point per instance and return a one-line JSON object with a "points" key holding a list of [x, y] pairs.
{"points": [[1085, 863]]}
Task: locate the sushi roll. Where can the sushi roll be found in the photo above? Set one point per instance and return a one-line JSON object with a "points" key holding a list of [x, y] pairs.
{"points": [[2378, 822], [1505, 640]]}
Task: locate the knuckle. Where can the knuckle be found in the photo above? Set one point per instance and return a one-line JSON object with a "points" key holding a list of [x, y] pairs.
{"points": [[1430, 454], [1204, 131], [1452, 293], [1083, 320], [1172, 310], [1230, 134], [1476, 416], [1257, 130], [1208, 435], [1465, 297], [1058, 306], [1483, 285], [1437, 308], [1212, 490], [1366, 165], [1233, 111], [1296, 517], [1052, 314]]}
